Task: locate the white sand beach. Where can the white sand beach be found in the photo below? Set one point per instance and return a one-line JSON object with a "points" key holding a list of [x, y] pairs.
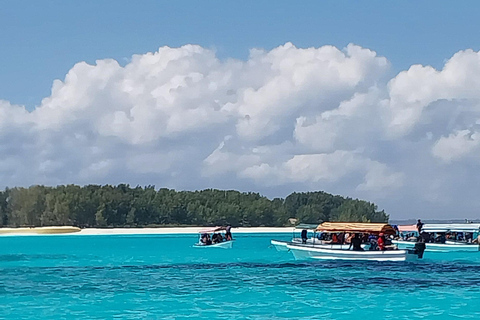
{"points": [[178, 230], [127, 231]]}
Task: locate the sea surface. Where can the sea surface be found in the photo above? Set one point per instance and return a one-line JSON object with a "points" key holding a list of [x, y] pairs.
{"points": [[164, 277]]}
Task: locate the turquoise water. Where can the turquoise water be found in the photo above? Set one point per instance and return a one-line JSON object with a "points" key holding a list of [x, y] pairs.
{"points": [[164, 277]]}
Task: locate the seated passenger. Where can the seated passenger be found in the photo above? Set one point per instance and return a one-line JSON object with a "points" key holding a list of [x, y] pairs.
{"points": [[441, 238], [334, 238], [477, 239], [216, 238], [208, 240]]}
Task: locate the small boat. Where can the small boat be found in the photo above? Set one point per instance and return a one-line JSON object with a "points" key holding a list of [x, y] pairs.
{"points": [[340, 252], [445, 237], [217, 240]]}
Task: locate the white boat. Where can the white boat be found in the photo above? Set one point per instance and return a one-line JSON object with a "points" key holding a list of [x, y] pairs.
{"points": [[450, 245], [223, 243], [334, 252]]}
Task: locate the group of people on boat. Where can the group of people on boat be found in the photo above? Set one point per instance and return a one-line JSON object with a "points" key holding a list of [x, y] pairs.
{"points": [[439, 237], [358, 241], [205, 238]]}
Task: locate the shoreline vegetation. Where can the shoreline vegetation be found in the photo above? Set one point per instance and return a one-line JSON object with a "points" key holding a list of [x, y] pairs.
{"points": [[122, 206]]}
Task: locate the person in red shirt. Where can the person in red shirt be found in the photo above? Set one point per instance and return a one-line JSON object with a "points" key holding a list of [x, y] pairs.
{"points": [[334, 238], [381, 242]]}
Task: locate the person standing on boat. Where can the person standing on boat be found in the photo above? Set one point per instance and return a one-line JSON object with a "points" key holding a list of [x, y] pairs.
{"points": [[381, 242], [356, 243], [420, 226], [304, 236], [228, 233]]}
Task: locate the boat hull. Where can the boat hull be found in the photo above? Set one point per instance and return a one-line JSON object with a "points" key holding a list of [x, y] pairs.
{"points": [[279, 245], [319, 253], [221, 245], [439, 247], [282, 245]]}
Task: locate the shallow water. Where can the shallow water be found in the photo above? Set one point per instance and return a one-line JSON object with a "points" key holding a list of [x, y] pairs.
{"points": [[164, 277]]}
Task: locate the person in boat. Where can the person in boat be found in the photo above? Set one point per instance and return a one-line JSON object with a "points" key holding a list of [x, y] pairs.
{"points": [[304, 236], [372, 240], [426, 237], [228, 233], [208, 241], [468, 237], [334, 238], [381, 242], [356, 243], [419, 226], [441, 238], [477, 239], [348, 238], [203, 238]]}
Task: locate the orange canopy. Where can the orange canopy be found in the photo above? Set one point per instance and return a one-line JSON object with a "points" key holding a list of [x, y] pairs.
{"points": [[356, 227]]}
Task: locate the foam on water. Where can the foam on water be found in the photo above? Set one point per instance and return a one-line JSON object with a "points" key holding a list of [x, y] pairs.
{"points": [[164, 277]]}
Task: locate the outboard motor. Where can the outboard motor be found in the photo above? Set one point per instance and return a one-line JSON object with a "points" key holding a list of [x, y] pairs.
{"points": [[419, 249]]}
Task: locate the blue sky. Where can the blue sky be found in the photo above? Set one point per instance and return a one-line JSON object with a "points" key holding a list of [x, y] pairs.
{"points": [[41, 40], [371, 99]]}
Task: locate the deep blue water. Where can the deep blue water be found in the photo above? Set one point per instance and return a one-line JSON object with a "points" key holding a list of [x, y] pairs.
{"points": [[164, 277]]}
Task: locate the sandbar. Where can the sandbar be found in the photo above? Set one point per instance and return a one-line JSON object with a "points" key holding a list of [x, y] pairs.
{"points": [[133, 231]]}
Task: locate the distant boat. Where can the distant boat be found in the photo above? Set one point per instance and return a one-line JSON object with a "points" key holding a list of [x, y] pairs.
{"points": [[305, 251], [456, 240], [217, 240]]}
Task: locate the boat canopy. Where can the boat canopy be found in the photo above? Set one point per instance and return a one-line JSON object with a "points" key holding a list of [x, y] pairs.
{"points": [[356, 227], [308, 226], [407, 228], [452, 227], [214, 229]]}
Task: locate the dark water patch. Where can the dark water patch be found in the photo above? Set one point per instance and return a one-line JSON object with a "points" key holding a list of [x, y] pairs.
{"points": [[32, 257], [378, 267]]}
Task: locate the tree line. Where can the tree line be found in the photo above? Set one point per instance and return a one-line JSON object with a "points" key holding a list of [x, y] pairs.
{"points": [[125, 206]]}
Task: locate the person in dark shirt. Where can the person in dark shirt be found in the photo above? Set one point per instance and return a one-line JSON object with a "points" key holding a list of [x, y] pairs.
{"points": [[356, 243], [419, 226], [304, 236], [228, 233]]}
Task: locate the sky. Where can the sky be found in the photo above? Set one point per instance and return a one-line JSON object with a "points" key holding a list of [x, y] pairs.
{"points": [[375, 100]]}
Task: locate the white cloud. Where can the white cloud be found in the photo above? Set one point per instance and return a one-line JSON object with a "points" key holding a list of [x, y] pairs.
{"points": [[457, 145], [289, 119]]}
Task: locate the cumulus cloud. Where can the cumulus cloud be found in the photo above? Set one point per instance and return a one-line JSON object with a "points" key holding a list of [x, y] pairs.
{"points": [[284, 120]]}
